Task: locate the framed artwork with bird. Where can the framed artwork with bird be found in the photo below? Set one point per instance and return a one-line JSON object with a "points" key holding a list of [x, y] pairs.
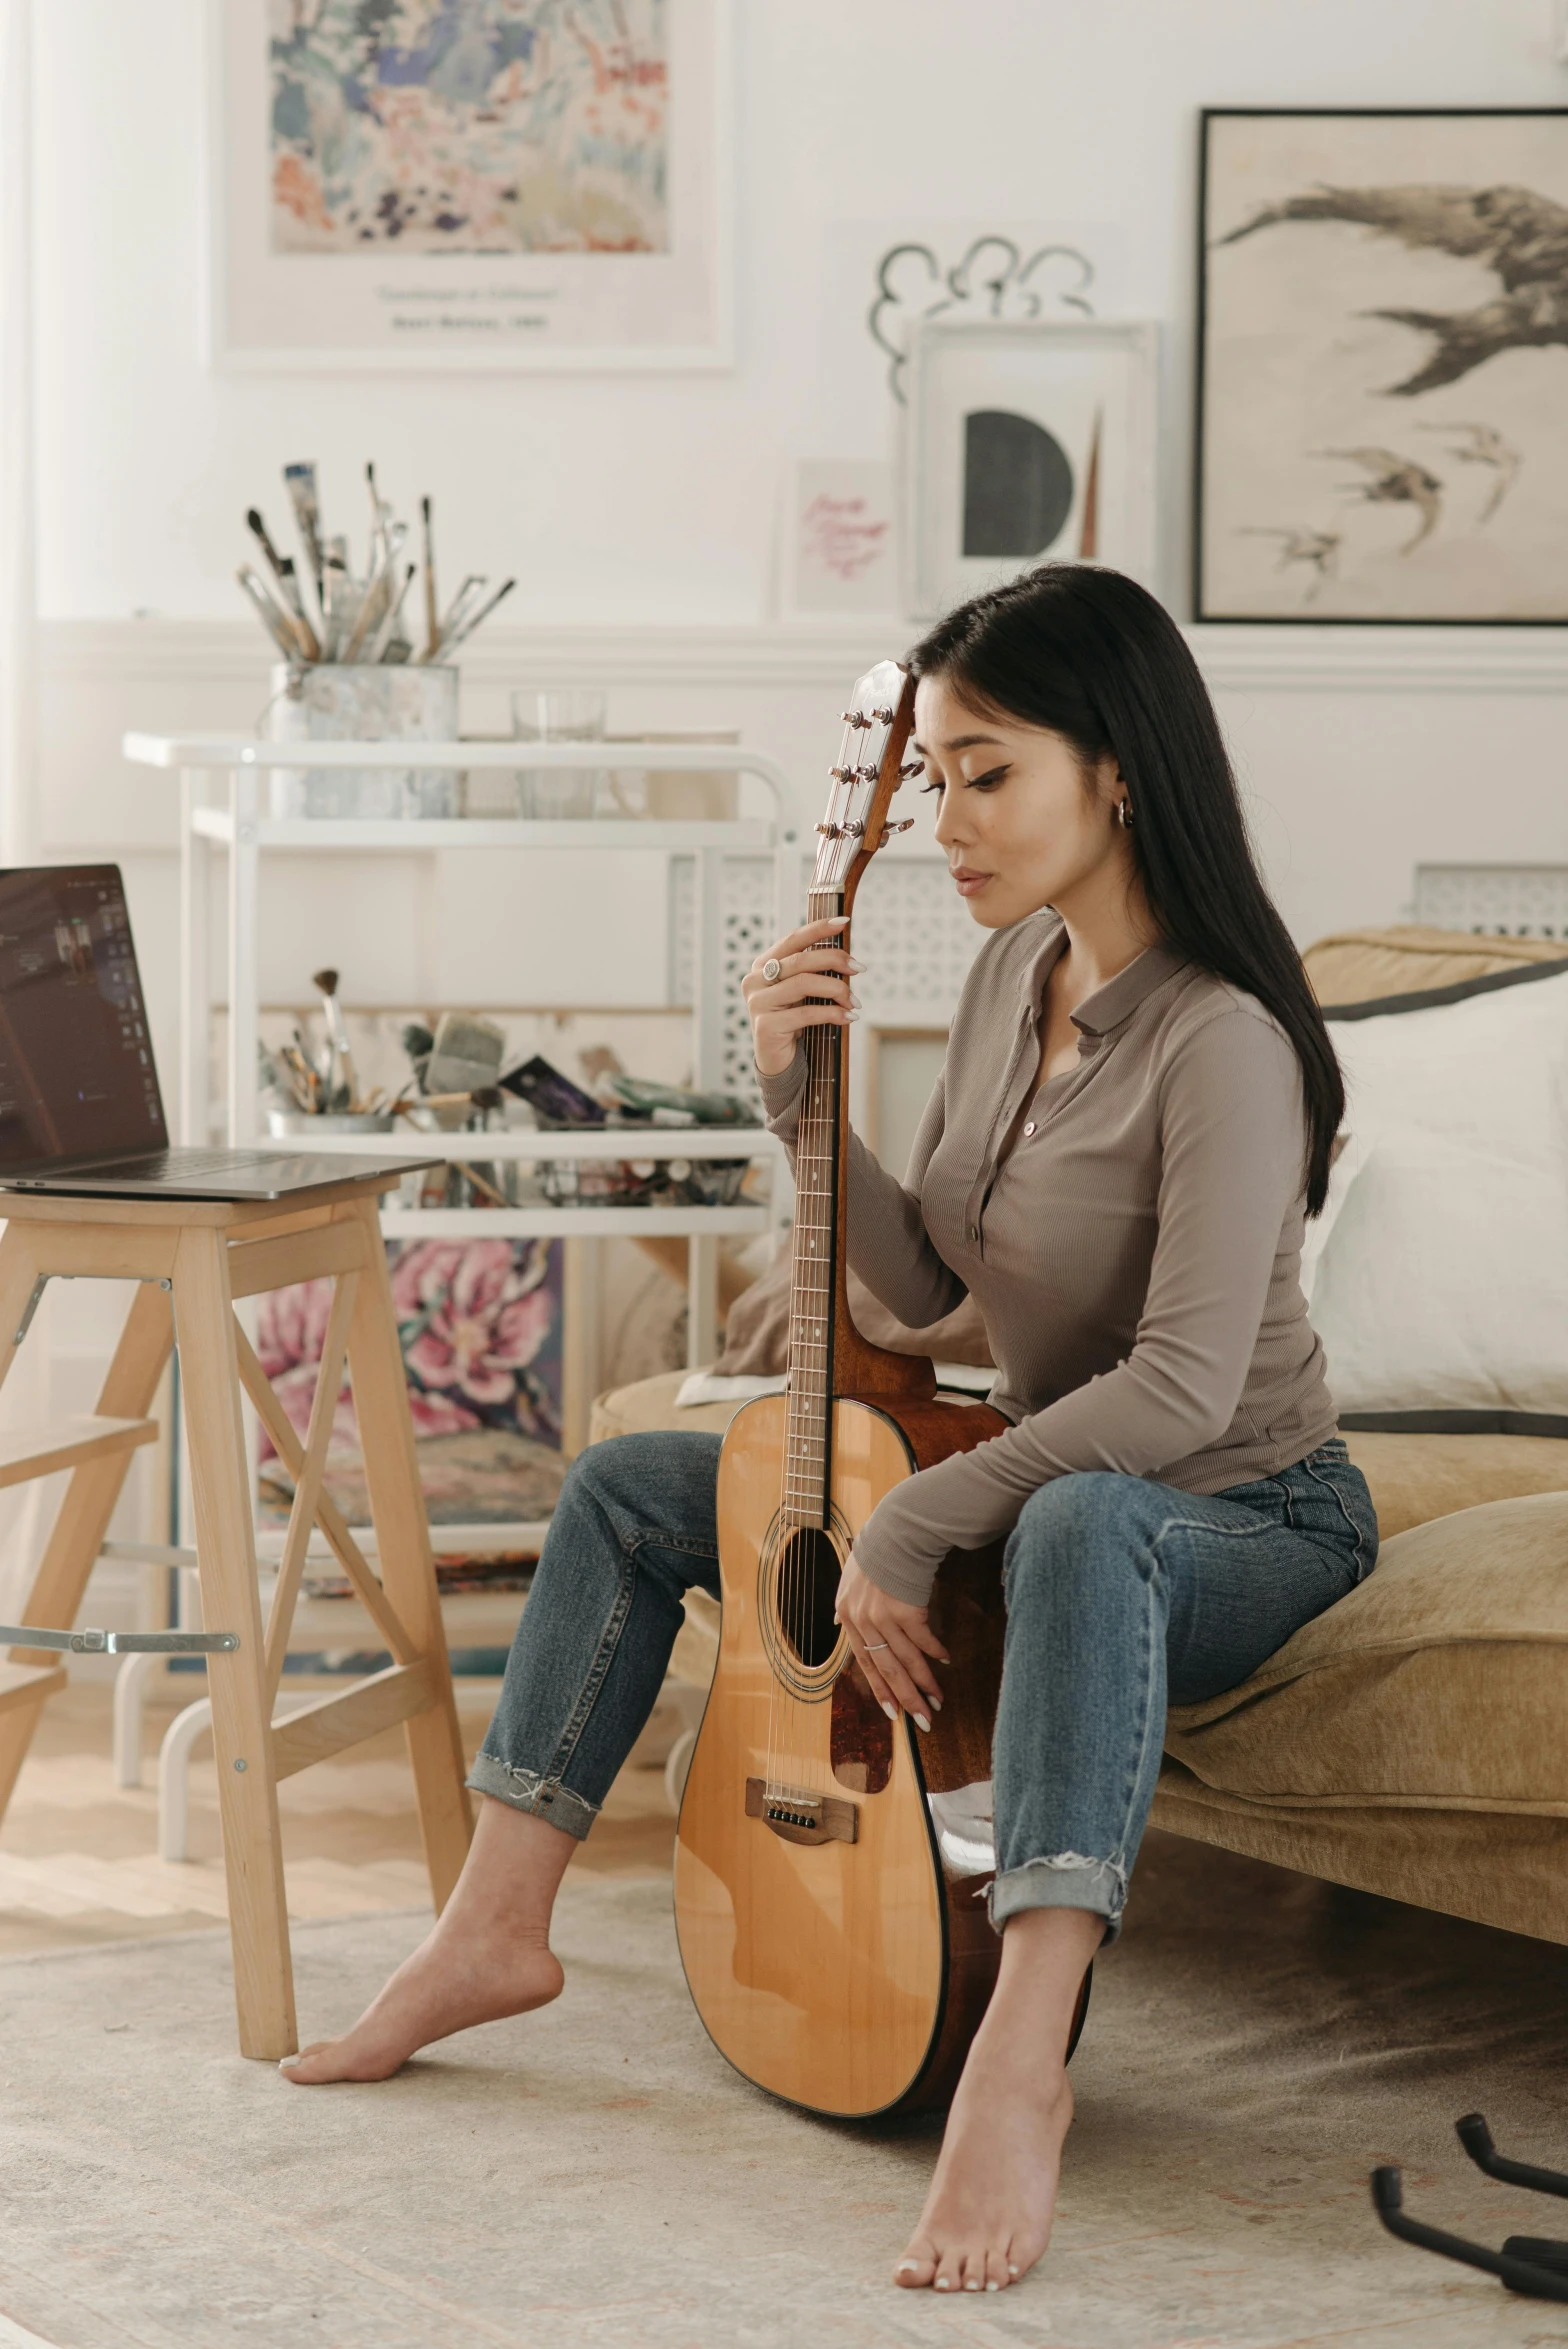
{"points": [[1382, 410]]}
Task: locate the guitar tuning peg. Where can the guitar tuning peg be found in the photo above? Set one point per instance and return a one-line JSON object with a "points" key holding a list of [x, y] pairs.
{"points": [[914, 767], [888, 830]]}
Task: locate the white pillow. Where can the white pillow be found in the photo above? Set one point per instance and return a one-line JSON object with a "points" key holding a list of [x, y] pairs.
{"points": [[1349, 1158], [1443, 1283]]}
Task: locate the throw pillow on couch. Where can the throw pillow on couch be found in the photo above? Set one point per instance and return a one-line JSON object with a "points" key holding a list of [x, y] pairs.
{"points": [[1441, 1285]]}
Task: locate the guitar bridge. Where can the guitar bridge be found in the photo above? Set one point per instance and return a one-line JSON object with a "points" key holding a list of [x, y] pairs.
{"points": [[799, 1817]]}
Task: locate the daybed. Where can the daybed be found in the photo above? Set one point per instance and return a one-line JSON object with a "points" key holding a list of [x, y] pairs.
{"points": [[1410, 1742]]}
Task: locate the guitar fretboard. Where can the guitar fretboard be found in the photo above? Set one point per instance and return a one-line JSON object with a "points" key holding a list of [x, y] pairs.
{"points": [[812, 1285]]}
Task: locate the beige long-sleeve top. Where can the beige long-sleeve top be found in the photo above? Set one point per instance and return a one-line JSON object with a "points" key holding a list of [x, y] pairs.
{"points": [[1135, 1253]]}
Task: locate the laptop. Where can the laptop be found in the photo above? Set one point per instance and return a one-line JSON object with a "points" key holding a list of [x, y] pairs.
{"points": [[80, 1107]]}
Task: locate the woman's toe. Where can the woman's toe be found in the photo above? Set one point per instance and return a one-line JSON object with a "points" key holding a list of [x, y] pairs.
{"points": [[997, 2277], [918, 2265], [971, 2268]]}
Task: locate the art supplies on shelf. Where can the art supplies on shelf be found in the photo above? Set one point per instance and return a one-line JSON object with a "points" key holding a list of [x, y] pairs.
{"points": [[325, 613]]}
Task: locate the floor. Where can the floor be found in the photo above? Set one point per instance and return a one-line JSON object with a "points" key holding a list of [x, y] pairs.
{"points": [[78, 1854], [596, 2174]]}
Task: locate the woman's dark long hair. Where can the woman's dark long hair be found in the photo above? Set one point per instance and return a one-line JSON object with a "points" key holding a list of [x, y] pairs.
{"points": [[1092, 656]]}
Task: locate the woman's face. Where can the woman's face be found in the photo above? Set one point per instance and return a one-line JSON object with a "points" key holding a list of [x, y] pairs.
{"points": [[1014, 819]]}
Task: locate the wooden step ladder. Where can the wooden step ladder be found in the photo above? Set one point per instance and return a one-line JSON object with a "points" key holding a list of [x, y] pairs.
{"points": [[198, 1257]]}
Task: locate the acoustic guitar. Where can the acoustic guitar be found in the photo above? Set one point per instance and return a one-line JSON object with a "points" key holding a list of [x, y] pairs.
{"points": [[831, 1865]]}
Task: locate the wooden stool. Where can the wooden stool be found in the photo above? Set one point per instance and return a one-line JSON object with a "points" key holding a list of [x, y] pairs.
{"points": [[204, 1254]]}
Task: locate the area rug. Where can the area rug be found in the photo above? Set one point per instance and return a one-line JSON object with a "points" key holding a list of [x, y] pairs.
{"points": [[597, 2175]]}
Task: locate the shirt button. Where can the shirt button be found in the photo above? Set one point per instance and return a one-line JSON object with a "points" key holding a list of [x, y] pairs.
{"points": [[974, 1231], [1029, 1128]]}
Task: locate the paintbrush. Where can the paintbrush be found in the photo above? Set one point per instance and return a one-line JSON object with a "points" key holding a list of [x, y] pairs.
{"points": [[300, 482], [382, 649], [432, 630], [379, 591], [286, 632], [303, 1074], [337, 600], [480, 1097], [283, 571], [461, 633], [337, 1034], [479, 1181], [458, 609], [380, 517], [294, 1069]]}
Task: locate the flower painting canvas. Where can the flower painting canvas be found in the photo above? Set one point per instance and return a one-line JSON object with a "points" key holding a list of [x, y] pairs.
{"points": [[1384, 367], [470, 183], [480, 1325], [469, 126]]}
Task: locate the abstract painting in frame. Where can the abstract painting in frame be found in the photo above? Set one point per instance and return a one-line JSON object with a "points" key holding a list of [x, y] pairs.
{"points": [[469, 183], [1382, 428], [1026, 442]]}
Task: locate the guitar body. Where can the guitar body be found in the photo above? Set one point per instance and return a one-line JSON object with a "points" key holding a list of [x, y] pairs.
{"points": [[830, 1957]]}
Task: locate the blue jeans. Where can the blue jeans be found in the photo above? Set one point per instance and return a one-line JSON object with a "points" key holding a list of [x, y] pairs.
{"points": [[1122, 1595]]}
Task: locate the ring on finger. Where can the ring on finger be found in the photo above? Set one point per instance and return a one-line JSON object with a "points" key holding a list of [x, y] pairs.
{"points": [[872, 1649], [772, 969]]}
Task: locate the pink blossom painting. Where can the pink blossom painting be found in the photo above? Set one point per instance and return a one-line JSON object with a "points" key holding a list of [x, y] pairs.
{"points": [[480, 1324]]}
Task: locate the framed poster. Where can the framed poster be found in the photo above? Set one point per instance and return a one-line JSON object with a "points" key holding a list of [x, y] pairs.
{"points": [[1024, 441], [1383, 366], [469, 184]]}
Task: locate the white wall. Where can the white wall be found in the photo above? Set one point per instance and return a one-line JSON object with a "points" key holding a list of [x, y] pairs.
{"points": [[641, 512], [652, 497]]}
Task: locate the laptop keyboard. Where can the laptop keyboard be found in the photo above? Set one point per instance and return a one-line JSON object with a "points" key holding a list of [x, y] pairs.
{"points": [[205, 1162]]}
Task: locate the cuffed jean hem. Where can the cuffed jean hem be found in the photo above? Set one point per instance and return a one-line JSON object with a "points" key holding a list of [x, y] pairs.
{"points": [[1068, 1881], [526, 1790]]}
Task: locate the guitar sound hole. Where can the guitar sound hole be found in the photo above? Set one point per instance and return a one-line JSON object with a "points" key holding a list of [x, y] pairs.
{"points": [[807, 1587]]}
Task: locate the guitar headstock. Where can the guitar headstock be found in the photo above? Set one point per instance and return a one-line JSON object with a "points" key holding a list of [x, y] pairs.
{"points": [[870, 769]]}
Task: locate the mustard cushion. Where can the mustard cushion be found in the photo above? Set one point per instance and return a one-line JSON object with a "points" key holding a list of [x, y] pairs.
{"points": [[650, 1403], [1442, 1681], [1362, 966], [1413, 1478]]}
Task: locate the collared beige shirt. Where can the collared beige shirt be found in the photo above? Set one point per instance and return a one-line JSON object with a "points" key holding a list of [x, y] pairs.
{"points": [[1135, 1255]]}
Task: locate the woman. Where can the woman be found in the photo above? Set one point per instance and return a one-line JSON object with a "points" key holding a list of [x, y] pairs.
{"points": [[1137, 1112]]}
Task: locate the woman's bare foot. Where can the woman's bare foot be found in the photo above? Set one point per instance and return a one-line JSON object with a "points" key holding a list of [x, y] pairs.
{"points": [[447, 1985], [987, 2217], [487, 1956]]}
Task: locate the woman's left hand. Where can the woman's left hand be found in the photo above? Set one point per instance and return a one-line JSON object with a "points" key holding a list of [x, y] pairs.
{"points": [[893, 1645]]}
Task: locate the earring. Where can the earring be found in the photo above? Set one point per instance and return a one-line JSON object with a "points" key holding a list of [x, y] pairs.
{"points": [[1124, 814]]}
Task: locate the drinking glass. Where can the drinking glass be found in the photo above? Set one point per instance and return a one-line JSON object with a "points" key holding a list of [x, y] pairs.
{"points": [[558, 714]]}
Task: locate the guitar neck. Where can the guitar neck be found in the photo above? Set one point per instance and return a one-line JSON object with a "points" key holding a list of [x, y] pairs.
{"points": [[827, 1354]]}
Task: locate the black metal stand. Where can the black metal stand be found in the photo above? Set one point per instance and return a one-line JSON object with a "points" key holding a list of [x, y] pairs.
{"points": [[1534, 2265]]}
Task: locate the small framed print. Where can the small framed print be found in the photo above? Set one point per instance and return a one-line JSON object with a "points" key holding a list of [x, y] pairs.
{"points": [[1383, 366], [1026, 441], [842, 545], [500, 184]]}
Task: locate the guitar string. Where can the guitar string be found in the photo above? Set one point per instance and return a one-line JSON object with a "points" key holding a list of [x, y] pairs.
{"points": [[809, 1405], [817, 1261], [805, 1387], [798, 1415]]}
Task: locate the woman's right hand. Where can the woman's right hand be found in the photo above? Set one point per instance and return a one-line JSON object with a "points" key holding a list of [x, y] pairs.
{"points": [[812, 990]]}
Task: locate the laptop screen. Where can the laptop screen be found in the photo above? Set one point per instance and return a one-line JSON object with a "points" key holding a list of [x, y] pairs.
{"points": [[77, 1078]]}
